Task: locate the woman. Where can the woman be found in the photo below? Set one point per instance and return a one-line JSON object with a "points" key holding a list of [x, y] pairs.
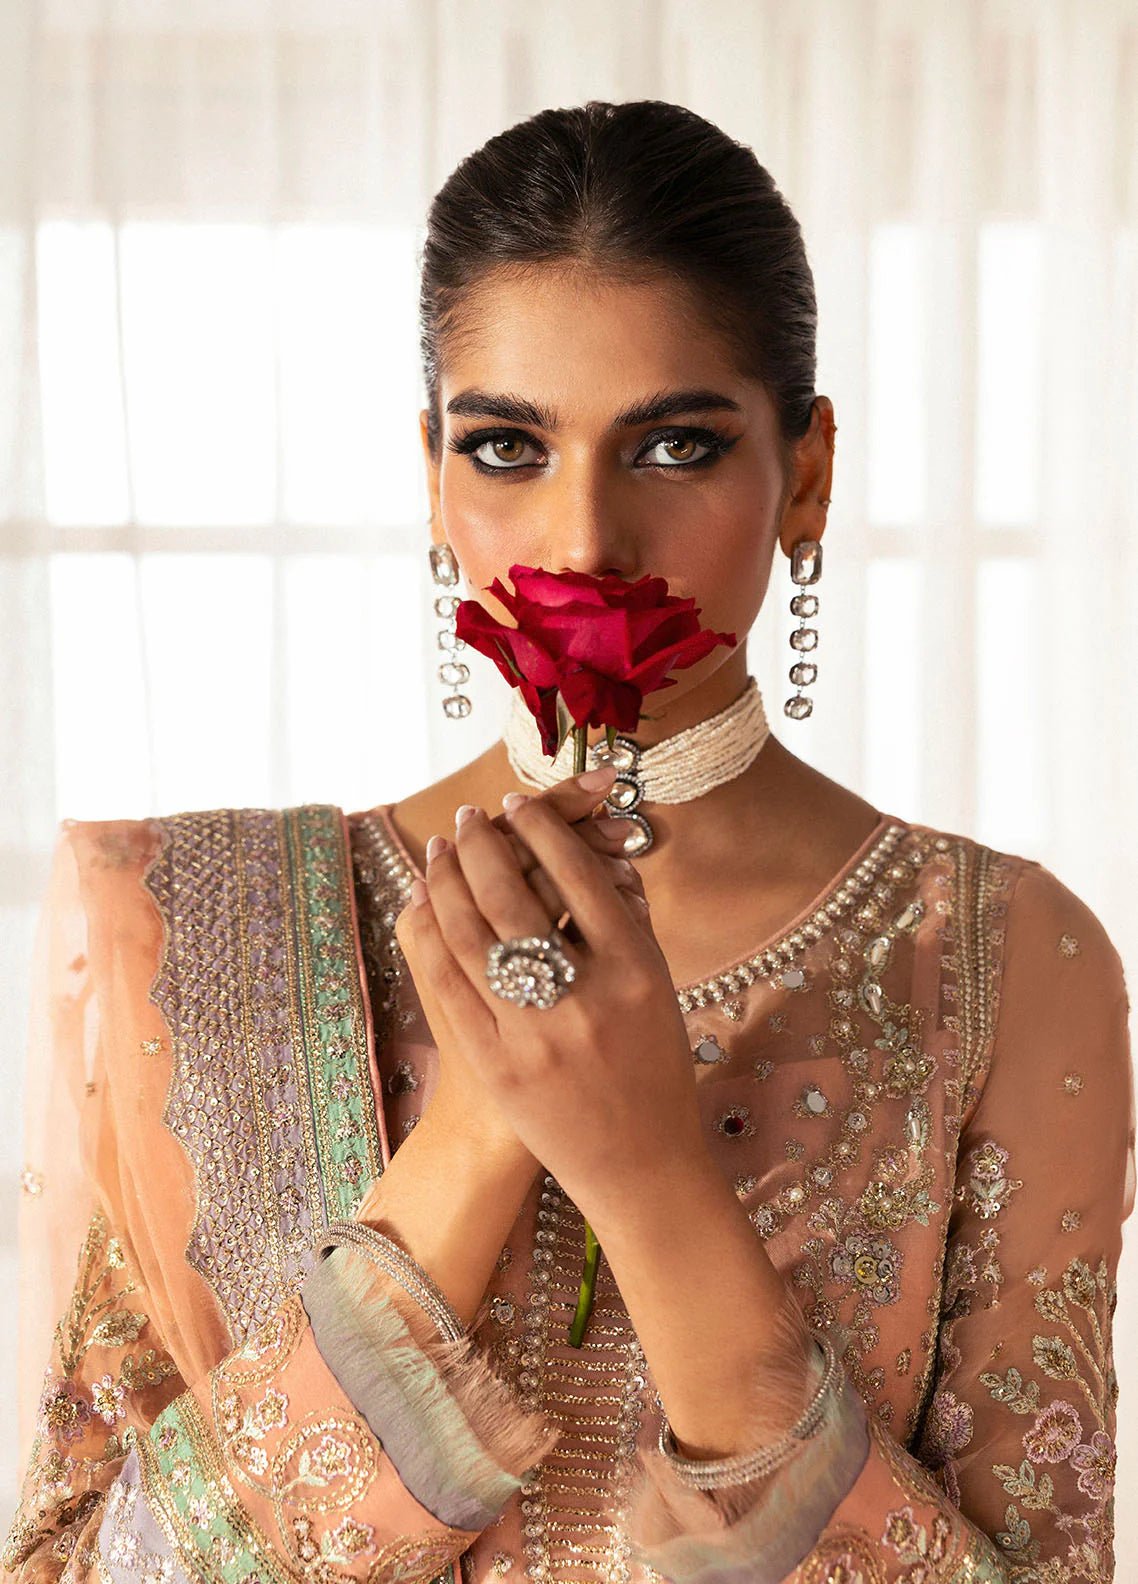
{"points": [[312, 1257]]}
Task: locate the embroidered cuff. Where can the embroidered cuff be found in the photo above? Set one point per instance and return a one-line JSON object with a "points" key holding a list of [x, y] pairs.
{"points": [[455, 1432]]}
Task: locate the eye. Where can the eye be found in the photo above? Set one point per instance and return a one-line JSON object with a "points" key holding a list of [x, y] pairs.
{"points": [[685, 444], [683, 441], [502, 444]]}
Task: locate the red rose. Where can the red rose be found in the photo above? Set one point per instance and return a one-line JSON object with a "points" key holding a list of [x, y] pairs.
{"points": [[600, 642]]}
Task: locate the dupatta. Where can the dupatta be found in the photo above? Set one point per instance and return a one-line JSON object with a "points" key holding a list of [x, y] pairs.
{"points": [[225, 945]]}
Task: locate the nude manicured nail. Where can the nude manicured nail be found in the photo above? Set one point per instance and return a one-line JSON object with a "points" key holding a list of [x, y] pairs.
{"points": [[593, 780], [513, 800], [418, 892], [463, 813], [436, 845]]}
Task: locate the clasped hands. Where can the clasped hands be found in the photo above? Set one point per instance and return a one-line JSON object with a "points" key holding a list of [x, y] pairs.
{"points": [[600, 1087]]}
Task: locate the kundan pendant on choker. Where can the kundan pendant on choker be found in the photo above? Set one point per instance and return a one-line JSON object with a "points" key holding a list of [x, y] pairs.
{"points": [[679, 768]]}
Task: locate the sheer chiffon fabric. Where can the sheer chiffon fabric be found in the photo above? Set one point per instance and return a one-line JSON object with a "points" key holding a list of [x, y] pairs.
{"points": [[887, 1087]]}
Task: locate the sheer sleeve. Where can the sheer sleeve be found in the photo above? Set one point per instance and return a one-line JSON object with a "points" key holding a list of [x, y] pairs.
{"points": [[345, 1437], [1012, 1472]]}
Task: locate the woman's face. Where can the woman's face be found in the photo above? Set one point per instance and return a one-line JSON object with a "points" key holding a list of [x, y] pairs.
{"points": [[590, 425]]}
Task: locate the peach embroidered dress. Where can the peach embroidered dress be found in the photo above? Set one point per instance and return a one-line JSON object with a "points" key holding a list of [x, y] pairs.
{"points": [[921, 1092]]}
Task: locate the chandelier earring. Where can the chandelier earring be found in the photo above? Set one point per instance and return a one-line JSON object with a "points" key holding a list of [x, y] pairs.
{"points": [[452, 672], [805, 569]]}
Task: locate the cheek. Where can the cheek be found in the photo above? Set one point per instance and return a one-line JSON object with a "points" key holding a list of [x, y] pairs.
{"points": [[727, 569]]}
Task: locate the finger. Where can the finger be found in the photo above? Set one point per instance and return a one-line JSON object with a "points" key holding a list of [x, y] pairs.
{"points": [[576, 796], [547, 894], [636, 906], [468, 934], [598, 831], [494, 873], [577, 872], [499, 890], [443, 987], [620, 872]]}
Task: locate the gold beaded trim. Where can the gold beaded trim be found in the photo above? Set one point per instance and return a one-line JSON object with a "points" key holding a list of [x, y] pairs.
{"points": [[778, 955]]}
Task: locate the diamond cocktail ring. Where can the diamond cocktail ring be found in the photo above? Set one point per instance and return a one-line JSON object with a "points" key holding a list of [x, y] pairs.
{"points": [[530, 970]]}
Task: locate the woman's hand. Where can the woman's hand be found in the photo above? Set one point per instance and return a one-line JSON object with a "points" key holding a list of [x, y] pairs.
{"points": [[460, 1101], [600, 1087]]}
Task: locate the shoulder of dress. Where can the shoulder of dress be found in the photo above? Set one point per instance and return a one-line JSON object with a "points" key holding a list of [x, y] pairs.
{"points": [[1002, 908], [975, 884], [996, 882]]}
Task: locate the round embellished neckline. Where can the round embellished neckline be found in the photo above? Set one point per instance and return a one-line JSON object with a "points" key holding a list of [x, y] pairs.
{"points": [[776, 954]]}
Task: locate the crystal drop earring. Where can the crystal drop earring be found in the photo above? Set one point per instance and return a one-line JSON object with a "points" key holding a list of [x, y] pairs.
{"points": [[805, 568], [452, 673]]}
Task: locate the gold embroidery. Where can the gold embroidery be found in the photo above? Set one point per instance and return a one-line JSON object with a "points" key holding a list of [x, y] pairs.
{"points": [[1076, 1354], [844, 1555], [987, 1188], [68, 1457], [319, 1466]]}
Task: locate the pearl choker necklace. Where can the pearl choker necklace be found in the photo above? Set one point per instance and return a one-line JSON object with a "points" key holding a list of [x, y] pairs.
{"points": [[679, 768]]}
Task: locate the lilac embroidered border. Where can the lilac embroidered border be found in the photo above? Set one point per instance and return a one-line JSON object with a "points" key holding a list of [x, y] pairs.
{"points": [[256, 985]]}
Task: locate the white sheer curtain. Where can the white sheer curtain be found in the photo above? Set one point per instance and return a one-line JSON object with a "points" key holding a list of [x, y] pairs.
{"points": [[212, 558]]}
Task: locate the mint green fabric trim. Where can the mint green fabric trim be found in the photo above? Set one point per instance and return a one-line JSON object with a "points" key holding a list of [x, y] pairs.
{"points": [[180, 1464], [333, 1017]]}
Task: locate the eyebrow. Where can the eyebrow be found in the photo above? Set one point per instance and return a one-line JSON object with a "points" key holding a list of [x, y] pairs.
{"points": [[517, 409]]}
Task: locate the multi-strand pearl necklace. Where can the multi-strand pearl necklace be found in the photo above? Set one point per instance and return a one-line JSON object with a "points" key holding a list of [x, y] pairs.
{"points": [[681, 767]]}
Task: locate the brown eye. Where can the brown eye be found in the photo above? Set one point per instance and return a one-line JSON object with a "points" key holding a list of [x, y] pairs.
{"points": [[498, 453], [681, 450]]}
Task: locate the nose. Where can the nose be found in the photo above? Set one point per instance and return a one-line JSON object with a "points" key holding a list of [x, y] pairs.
{"points": [[585, 534]]}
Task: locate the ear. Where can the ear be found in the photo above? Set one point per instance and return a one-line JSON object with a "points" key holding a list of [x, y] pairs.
{"points": [[432, 467], [813, 468]]}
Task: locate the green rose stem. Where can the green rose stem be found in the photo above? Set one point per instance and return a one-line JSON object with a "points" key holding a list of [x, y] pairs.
{"points": [[592, 1247], [588, 1287]]}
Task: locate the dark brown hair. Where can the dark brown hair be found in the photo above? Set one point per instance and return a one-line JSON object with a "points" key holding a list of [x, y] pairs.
{"points": [[637, 189]]}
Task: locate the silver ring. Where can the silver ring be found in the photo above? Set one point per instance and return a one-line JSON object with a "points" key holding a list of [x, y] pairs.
{"points": [[530, 970]]}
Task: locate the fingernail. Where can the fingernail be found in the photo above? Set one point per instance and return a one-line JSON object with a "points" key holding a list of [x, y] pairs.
{"points": [[612, 827], [513, 800], [593, 780], [436, 846], [418, 892], [463, 813], [626, 868]]}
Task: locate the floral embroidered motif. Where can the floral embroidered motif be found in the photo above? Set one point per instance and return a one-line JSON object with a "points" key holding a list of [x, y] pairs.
{"points": [[912, 1541], [1076, 1353], [870, 1263], [988, 1189], [403, 1080], [107, 1398], [68, 1457]]}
